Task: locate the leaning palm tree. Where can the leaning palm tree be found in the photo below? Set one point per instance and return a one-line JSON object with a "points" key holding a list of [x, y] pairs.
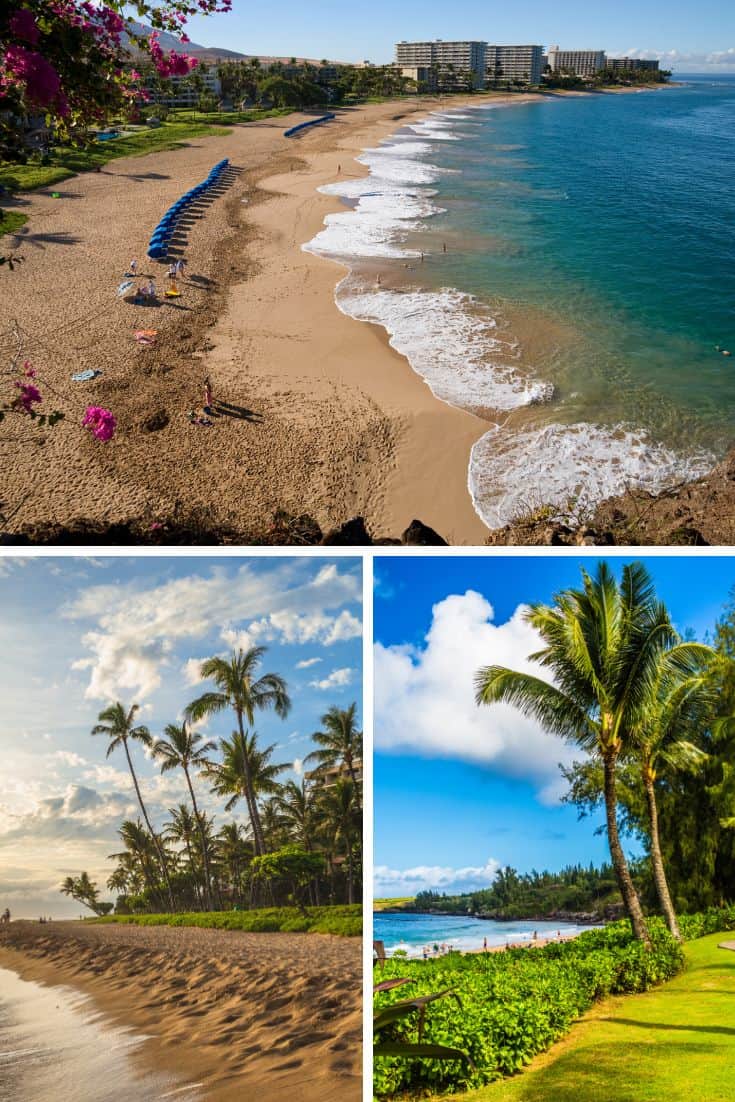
{"points": [[182, 748], [682, 701], [239, 688], [118, 726], [340, 743], [234, 853], [602, 645]]}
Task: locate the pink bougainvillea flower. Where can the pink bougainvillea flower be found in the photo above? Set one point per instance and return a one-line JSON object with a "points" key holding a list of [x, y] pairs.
{"points": [[28, 371], [29, 396], [42, 82], [23, 25], [100, 422]]}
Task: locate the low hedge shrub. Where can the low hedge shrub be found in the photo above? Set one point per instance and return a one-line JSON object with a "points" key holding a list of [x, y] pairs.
{"points": [[346, 921], [515, 1004]]}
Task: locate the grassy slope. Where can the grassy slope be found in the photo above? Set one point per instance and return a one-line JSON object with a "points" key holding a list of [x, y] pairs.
{"points": [[67, 162], [391, 904], [345, 921], [673, 1044]]}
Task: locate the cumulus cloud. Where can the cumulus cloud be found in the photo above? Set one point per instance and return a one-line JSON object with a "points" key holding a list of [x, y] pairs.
{"points": [[336, 679], [136, 629], [307, 663], [392, 883], [684, 61], [424, 696]]}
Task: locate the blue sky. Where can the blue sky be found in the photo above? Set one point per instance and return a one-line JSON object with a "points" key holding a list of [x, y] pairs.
{"points": [[76, 633], [675, 30], [458, 789]]}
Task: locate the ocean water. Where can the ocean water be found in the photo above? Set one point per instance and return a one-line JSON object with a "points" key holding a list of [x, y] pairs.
{"points": [[564, 268], [411, 932], [54, 1047]]}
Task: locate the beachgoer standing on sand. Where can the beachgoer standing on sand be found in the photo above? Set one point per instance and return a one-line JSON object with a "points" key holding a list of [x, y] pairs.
{"points": [[484, 944], [208, 400], [6, 915], [180, 265], [133, 267], [444, 246]]}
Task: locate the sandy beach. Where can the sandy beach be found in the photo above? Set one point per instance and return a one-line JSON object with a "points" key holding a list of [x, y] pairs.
{"points": [[264, 1015], [324, 418]]}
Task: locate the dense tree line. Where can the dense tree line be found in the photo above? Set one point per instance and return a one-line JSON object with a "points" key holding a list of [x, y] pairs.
{"points": [[301, 843]]}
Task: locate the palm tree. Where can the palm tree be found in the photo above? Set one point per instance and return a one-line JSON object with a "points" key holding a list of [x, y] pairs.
{"points": [[297, 812], [182, 828], [682, 697], [139, 857], [342, 820], [603, 646], [340, 742], [117, 724], [239, 689], [246, 772], [182, 748], [235, 852]]}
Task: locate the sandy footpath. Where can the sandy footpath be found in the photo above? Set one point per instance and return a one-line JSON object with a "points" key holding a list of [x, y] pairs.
{"points": [[324, 418], [270, 1016]]}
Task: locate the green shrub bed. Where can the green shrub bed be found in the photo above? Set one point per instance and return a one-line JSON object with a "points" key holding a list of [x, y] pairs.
{"points": [[344, 921], [514, 1004]]}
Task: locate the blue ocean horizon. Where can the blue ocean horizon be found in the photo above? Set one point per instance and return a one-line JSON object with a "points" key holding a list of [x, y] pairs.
{"points": [[564, 266]]}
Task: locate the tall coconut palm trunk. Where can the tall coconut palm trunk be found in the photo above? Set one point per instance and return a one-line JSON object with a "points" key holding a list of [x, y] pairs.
{"points": [[657, 861], [620, 865], [154, 836], [203, 842], [253, 812]]}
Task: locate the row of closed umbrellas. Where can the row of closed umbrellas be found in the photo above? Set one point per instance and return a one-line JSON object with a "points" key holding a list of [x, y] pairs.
{"points": [[161, 236]]}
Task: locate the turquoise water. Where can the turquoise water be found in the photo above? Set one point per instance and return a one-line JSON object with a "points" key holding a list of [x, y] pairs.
{"points": [[588, 278], [414, 932]]}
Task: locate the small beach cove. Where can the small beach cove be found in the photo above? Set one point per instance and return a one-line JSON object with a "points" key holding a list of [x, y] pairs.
{"points": [[412, 934]]}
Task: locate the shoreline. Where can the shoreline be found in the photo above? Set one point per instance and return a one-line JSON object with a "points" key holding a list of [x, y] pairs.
{"points": [[271, 1013], [325, 417]]}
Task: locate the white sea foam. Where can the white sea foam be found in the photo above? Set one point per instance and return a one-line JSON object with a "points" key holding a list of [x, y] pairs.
{"points": [[570, 467], [450, 342]]}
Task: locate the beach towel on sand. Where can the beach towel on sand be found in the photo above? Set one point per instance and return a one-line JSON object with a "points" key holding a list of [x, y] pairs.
{"points": [[83, 376]]}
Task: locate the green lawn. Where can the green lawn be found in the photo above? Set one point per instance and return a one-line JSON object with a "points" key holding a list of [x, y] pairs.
{"points": [[674, 1044], [68, 162], [227, 118], [11, 220]]}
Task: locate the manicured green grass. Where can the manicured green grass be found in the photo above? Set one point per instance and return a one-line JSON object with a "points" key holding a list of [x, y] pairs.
{"points": [[11, 220], [675, 1043], [345, 921], [227, 118], [391, 904], [68, 162]]}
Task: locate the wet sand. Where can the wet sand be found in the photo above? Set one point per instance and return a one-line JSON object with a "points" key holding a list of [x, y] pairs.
{"points": [[248, 1015]]}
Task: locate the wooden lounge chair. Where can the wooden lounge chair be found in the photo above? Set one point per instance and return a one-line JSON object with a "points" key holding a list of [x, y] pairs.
{"points": [[379, 950]]}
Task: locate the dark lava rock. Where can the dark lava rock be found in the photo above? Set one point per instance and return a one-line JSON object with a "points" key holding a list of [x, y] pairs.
{"points": [[352, 533], [687, 537], [420, 535]]}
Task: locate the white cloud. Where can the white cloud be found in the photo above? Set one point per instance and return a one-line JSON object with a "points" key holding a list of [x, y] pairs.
{"points": [[442, 878], [334, 680], [136, 629], [298, 766], [307, 663], [191, 671], [683, 60], [424, 697], [68, 757]]}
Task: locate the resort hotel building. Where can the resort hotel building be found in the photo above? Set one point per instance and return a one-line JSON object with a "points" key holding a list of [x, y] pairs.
{"points": [[513, 65], [578, 63], [446, 59], [634, 64]]}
